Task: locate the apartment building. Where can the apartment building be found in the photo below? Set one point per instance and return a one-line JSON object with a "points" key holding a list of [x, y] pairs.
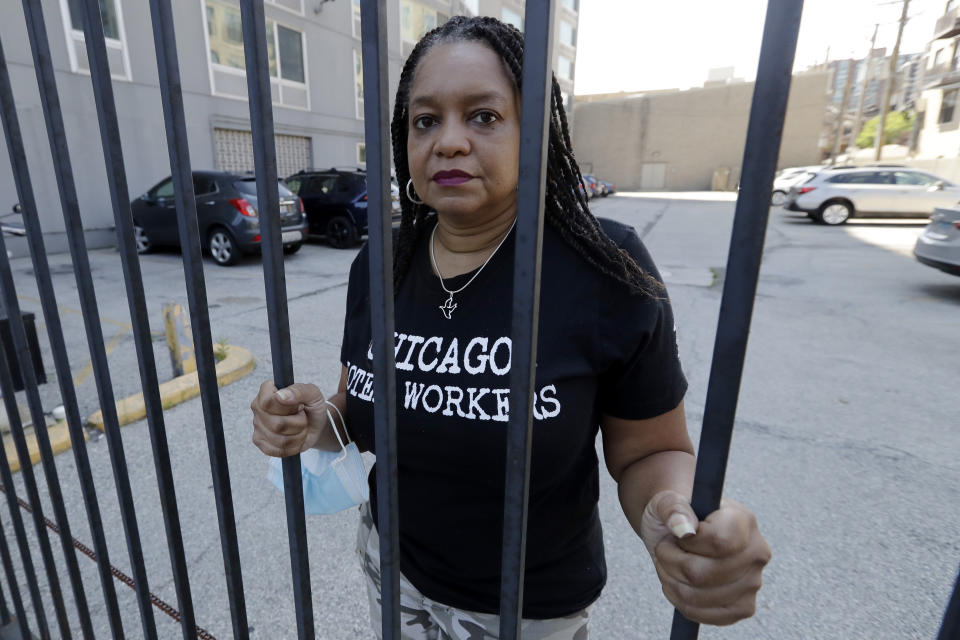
{"points": [[315, 76]]}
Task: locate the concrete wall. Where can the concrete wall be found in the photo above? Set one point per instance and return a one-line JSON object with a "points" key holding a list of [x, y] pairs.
{"points": [[686, 136]]}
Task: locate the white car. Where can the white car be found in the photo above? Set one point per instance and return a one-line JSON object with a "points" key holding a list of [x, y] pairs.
{"points": [[834, 196], [939, 244], [786, 178]]}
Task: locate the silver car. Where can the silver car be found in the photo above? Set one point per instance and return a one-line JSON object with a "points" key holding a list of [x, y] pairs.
{"points": [[785, 179], [939, 244], [834, 196]]}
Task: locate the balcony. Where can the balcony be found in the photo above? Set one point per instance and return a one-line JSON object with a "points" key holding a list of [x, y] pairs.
{"points": [[941, 76], [948, 25]]}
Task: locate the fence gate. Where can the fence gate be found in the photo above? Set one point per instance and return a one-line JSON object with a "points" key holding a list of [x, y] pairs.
{"points": [[28, 614]]}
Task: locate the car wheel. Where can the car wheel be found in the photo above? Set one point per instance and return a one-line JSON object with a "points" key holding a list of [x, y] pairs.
{"points": [[290, 249], [778, 198], [223, 248], [143, 242], [834, 212], [341, 232]]}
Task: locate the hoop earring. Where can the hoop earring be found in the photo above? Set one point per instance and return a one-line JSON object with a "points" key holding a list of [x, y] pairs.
{"points": [[410, 197]]}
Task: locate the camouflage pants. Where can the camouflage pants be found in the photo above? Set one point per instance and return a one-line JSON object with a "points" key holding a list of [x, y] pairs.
{"points": [[424, 619]]}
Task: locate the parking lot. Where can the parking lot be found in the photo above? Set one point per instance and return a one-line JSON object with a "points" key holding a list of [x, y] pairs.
{"points": [[845, 444]]}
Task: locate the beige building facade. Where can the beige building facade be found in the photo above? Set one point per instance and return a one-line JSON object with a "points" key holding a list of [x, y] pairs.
{"points": [[689, 140]]}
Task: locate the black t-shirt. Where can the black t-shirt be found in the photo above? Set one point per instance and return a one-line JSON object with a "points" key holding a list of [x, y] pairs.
{"points": [[601, 351]]}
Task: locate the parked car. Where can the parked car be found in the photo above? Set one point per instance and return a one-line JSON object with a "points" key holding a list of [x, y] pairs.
{"points": [[834, 196], [609, 187], [335, 201], [785, 179], [227, 216], [593, 186], [939, 244]]}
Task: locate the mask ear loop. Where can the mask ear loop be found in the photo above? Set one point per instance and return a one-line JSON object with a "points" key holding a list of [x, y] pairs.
{"points": [[336, 431]]}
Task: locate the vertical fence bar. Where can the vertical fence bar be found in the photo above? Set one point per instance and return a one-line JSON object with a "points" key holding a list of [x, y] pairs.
{"points": [[186, 205], [764, 133], [56, 133], [11, 574], [4, 611], [13, 416], [534, 136], [268, 204], [57, 137], [21, 176], [950, 628], [133, 280], [373, 26]]}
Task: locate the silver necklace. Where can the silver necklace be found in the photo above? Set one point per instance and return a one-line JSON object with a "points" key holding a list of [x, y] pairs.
{"points": [[449, 305]]}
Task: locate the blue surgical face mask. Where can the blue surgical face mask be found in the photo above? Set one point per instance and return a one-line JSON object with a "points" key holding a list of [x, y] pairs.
{"points": [[332, 480]]}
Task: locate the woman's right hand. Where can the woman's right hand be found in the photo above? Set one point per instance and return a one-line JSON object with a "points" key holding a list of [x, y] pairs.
{"points": [[288, 421]]}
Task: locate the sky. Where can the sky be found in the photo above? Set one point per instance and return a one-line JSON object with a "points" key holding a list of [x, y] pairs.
{"points": [[634, 45]]}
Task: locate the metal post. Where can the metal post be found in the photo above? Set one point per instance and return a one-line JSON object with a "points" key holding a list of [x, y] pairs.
{"points": [[373, 20], [534, 136], [268, 202], [764, 133], [178, 148]]}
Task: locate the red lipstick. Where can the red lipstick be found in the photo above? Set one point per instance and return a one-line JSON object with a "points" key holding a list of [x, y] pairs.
{"points": [[451, 178]]}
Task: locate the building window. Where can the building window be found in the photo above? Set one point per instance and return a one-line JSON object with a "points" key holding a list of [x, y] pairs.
{"points": [[112, 19], [573, 5], [512, 17], [415, 20], [358, 82], [568, 34], [938, 58], [286, 55], [473, 6], [356, 18], [565, 67], [361, 153], [947, 106], [955, 61]]}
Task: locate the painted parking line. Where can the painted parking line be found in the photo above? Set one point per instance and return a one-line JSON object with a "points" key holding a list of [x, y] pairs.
{"points": [[87, 369]]}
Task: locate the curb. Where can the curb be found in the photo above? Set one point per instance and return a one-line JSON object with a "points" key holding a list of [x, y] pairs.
{"points": [[59, 435], [238, 363]]}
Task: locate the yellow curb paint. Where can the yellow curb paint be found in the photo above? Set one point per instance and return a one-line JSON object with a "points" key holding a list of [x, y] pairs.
{"points": [[59, 442], [238, 363]]}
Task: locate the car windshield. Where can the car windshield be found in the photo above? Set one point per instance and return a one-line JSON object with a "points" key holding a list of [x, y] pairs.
{"points": [[248, 187]]}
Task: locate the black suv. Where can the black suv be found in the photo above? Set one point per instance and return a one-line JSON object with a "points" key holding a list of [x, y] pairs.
{"points": [[226, 214], [336, 203]]}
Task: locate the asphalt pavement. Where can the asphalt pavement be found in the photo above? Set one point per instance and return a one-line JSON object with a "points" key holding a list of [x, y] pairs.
{"points": [[845, 445]]}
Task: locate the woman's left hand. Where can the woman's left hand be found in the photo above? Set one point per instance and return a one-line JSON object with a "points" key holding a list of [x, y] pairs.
{"points": [[710, 570]]}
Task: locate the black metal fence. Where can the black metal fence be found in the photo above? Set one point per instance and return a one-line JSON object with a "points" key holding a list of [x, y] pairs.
{"points": [[763, 141]]}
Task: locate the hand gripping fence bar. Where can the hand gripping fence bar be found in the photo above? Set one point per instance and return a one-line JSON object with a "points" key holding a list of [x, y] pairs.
{"points": [[186, 205], [764, 133], [373, 21], [268, 197], [534, 128]]}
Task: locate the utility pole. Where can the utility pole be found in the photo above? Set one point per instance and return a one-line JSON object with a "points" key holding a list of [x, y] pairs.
{"points": [[885, 106], [863, 90], [842, 115]]}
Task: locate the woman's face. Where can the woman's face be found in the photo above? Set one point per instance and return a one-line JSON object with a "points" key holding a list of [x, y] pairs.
{"points": [[464, 132]]}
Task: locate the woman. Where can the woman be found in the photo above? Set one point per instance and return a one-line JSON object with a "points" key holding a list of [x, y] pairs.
{"points": [[607, 361]]}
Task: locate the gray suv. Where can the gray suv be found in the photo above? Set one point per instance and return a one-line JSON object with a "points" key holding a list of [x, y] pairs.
{"points": [[834, 196], [227, 215]]}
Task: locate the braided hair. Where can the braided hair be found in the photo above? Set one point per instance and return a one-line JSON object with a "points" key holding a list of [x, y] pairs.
{"points": [[566, 207]]}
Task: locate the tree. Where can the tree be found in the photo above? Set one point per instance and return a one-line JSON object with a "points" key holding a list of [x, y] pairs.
{"points": [[897, 130]]}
